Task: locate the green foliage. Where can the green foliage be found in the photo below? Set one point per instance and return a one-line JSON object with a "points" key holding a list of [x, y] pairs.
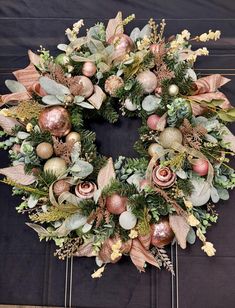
{"points": [[185, 185], [108, 112], [76, 117], [98, 162], [37, 192], [46, 178], [86, 206], [37, 137], [133, 90], [88, 147], [121, 188], [136, 164], [141, 149]]}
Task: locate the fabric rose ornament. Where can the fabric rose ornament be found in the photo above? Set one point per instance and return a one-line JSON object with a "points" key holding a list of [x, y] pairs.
{"points": [[163, 177], [85, 190]]}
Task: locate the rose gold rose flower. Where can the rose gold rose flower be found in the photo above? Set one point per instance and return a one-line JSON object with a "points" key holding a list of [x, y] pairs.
{"points": [[163, 177], [85, 190]]}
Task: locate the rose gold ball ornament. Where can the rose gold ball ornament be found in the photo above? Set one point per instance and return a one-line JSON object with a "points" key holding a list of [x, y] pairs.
{"points": [[89, 69], [87, 86], [55, 165], [116, 204], [148, 80], [73, 136], [60, 186], [169, 136], [56, 120], [127, 220], [44, 150], [152, 121], [201, 166], [163, 177], [161, 233], [122, 42], [155, 149], [85, 190]]}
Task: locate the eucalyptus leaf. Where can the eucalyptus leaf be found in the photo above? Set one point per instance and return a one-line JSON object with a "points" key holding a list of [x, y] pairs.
{"points": [[52, 87], [14, 86], [223, 193], [32, 201], [82, 169], [76, 151], [214, 195], [79, 99], [22, 135], [191, 236], [75, 221], [51, 100], [85, 105], [151, 103], [181, 174], [62, 47], [145, 32], [135, 34]]}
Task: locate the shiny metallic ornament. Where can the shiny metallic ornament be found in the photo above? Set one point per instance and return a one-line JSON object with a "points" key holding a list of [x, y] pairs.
{"points": [[169, 136], [161, 233], [55, 165], [201, 167], [89, 69], [85, 190], [116, 204], [56, 120], [122, 42], [148, 80], [173, 90], [44, 150], [87, 86], [60, 187], [73, 136]]}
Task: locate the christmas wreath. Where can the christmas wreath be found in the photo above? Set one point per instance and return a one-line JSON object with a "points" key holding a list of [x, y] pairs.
{"points": [[88, 204]]}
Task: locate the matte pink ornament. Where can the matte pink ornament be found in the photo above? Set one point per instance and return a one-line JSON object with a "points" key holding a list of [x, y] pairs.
{"points": [[148, 80], [201, 167], [122, 42], [89, 69], [152, 121]]}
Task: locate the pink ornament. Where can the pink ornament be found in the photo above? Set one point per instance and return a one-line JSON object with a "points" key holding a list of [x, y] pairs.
{"points": [[201, 166], [163, 177], [122, 42], [89, 69], [87, 86], [152, 121], [85, 190], [116, 204], [148, 80]]}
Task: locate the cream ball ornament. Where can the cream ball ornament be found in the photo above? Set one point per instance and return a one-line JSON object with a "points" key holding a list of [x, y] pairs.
{"points": [[89, 69], [127, 220], [73, 136], [44, 150], [169, 136], [173, 90], [155, 149], [55, 165], [148, 80], [129, 105]]}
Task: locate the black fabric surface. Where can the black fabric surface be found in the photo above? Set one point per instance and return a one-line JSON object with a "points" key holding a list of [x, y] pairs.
{"points": [[29, 274]]}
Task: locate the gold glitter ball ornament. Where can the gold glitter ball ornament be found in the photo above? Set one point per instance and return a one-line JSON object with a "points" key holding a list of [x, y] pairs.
{"points": [[55, 165], [112, 84], [44, 150], [60, 186], [73, 136], [169, 136]]}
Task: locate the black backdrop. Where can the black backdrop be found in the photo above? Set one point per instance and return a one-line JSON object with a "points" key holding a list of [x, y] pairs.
{"points": [[29, 274]]}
